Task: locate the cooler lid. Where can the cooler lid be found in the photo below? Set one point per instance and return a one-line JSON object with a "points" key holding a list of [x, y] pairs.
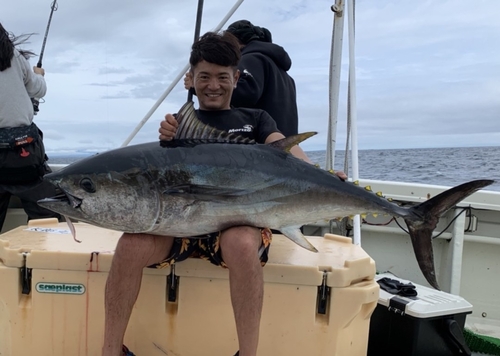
{"points": [[428, 303], [338, 263], [48, 244]]}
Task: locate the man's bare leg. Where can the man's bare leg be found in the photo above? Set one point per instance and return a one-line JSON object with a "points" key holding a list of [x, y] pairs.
{"points": [[133, 253], [239, 246]]}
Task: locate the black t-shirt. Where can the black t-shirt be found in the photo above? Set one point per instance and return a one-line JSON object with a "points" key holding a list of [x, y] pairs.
{"points": [[255, 124]]}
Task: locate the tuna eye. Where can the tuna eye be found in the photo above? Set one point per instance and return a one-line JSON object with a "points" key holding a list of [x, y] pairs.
{"points": [[87, 185]]}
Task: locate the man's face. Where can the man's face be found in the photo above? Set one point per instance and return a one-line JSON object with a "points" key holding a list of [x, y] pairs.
{"points": [[214, 85]]}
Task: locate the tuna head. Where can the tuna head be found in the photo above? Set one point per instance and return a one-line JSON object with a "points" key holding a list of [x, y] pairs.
{"points": [[104, 192]]}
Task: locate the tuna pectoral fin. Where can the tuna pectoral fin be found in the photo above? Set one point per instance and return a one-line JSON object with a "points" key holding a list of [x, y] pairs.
{"points": [[204, 192], [294, 234], [424, 217]]}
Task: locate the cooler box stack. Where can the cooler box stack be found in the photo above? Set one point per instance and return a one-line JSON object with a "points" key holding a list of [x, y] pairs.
{"points": [[429, 324], [52, 298]]}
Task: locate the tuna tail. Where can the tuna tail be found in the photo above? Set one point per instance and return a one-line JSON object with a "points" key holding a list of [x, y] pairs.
{"points": [[423, 219]]}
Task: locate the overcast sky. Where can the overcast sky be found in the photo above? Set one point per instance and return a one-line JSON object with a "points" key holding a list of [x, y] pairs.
{"points": [[428, 72]]}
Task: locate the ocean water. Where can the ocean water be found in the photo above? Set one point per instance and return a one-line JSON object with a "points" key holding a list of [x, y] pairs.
{"points": [[439, 166]]}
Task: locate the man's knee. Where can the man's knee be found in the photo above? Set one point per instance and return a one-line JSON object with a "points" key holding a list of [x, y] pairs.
{"points": [[132, 240], [241, 240], [144, 247]]}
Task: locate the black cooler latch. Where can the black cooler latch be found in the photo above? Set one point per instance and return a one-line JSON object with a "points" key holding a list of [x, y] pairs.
{"points": [[172, 285], [323, 295], [457, 336], [397, 305], [25, 276]]}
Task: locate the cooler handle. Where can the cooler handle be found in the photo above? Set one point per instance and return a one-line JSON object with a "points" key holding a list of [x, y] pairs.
{"points": [[457, 336]]}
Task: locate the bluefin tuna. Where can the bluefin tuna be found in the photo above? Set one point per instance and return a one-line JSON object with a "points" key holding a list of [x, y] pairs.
{"points": [[206, 180]]}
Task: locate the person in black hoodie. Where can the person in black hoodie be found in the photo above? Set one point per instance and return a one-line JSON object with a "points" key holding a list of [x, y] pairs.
{"points": [[264, 82]]}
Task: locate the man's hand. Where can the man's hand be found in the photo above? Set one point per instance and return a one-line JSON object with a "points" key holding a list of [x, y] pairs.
{"points": [[188, 81], [39, 70], [168, 128], [341, 175]]}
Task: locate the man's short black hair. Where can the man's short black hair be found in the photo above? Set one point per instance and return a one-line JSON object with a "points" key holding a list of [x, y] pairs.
{"points": [[217, 48]]}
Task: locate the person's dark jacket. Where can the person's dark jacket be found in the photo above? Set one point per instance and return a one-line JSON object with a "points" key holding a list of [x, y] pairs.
{"points": [[265, 84]]}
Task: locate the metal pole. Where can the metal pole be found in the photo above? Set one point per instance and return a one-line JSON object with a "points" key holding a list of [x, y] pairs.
{"points": [[335, 69], [455, 253], [175, 81], [196, 36], [353, 113]]}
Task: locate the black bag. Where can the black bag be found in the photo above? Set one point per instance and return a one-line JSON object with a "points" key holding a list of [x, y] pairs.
{"points": [[22, 155]]}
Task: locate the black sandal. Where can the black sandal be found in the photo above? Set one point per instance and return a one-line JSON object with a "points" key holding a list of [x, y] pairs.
{"points": [[126, 351]]}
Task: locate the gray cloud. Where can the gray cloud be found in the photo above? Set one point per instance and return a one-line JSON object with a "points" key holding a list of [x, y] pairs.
{"points": [[428, 73]]}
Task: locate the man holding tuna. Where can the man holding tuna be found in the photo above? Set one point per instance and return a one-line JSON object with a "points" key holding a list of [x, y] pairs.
{"points": [[241, 249]]}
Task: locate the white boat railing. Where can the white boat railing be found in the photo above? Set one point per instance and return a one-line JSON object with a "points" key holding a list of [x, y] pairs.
{"points": [[478, 226], [335, 70], [353, 117], [334, 81]]}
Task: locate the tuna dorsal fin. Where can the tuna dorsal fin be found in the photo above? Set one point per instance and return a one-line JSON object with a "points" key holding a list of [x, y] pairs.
{"points": [[285, 144], [190, 127]]}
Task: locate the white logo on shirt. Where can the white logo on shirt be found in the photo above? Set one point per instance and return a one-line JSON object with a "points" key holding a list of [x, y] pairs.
{"points": [[245, 128]]}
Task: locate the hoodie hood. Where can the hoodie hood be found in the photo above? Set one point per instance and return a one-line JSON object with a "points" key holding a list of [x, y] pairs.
{"points": [[271, 50]]}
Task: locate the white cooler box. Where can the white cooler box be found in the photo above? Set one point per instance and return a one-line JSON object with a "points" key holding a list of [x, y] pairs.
{"points": [[52, 298], [429, 324]]}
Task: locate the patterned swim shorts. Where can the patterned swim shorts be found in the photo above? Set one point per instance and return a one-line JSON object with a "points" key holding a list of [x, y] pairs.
{"points": [[208, 248]]}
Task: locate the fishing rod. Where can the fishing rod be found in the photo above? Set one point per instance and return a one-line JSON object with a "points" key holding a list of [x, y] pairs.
{"points": [[53, 7], [196, 36]]}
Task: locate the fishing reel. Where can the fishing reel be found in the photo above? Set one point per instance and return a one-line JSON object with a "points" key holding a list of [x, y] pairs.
{"points": [[35, 103]]}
